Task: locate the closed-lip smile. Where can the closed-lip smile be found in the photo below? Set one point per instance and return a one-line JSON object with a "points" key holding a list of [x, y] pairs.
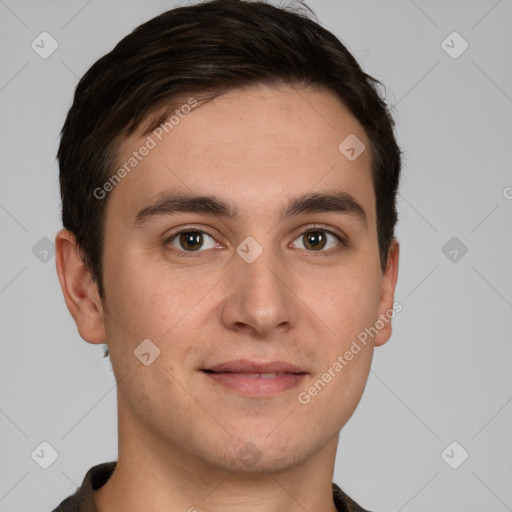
{"points": [[251, 378]]}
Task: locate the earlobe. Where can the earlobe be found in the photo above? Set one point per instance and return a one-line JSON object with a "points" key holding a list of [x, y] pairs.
{"points": [[79, 290], [386, 309]]}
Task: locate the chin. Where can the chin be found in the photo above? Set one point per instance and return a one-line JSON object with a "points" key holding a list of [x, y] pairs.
{"points": [[260, 456]]}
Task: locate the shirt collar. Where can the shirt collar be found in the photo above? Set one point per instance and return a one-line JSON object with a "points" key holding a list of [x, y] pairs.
{"points": [[83, 499]]}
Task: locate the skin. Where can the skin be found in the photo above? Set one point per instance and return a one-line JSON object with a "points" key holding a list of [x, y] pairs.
{"points": [[182, 436]]}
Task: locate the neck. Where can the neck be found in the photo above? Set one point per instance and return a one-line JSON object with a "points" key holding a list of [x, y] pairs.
{"points": [[157, 476]]}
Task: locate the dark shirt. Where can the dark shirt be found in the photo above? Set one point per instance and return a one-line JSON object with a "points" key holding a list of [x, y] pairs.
{"points": [[83, 499]]}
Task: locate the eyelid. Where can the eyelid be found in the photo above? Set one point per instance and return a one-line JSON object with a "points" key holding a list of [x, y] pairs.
{"points": [[328, 229]]}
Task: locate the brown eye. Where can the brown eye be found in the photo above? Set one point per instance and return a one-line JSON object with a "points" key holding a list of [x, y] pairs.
{"points": [[191, 240], [314, 240], [317, 240]]}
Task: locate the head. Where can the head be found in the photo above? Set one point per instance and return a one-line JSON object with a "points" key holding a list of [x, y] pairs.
{"points": [[239, 111]]}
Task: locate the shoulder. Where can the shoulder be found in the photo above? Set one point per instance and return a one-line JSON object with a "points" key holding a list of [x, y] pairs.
{"points": [[343, 502], [83, 498]]}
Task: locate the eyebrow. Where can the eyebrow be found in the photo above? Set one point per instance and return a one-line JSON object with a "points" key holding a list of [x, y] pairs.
{"points": [[169, 203]]}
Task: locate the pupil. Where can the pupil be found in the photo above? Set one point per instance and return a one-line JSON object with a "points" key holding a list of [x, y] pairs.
{"points": [[315, 239], [190, 239]]}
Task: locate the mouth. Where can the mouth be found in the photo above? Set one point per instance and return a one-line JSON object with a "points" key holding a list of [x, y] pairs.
{"points": [[248, 378], [270, 375]]}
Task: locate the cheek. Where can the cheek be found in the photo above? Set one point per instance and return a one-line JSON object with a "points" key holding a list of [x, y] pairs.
{"points": [[148, 301], [345, 299], [334, 393], [140, 295], [347, 303]]}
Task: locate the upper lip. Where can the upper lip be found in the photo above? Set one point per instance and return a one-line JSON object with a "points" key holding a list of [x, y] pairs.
{"points": [[246, 366]]}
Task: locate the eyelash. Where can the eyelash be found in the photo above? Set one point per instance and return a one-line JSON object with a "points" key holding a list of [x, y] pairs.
{"points": [[189, 254]]}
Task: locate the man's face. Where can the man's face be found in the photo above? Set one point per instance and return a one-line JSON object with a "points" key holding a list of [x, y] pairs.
{"points": [[303, 300]]}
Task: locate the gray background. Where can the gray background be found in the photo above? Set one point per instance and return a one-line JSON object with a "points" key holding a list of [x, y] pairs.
{"points": [[445, 375]]}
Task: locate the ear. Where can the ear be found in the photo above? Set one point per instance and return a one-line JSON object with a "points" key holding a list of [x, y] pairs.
{"points": [[79, 290], [387, 294]]}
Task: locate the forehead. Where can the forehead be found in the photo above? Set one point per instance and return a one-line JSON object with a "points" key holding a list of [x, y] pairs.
{"points": [[252, 145]]}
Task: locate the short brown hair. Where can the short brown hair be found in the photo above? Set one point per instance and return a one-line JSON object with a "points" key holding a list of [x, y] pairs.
{"points": [[209, 49]]}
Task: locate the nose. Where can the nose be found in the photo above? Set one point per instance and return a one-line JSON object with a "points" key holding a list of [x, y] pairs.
{"points": [[260, 297]]}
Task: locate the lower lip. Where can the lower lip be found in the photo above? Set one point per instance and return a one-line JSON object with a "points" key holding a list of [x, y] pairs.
{"points": [[257, 386]]}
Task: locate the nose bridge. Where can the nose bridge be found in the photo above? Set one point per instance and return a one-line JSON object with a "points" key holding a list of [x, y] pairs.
{"points": [[259, 274], [260, 299]]}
